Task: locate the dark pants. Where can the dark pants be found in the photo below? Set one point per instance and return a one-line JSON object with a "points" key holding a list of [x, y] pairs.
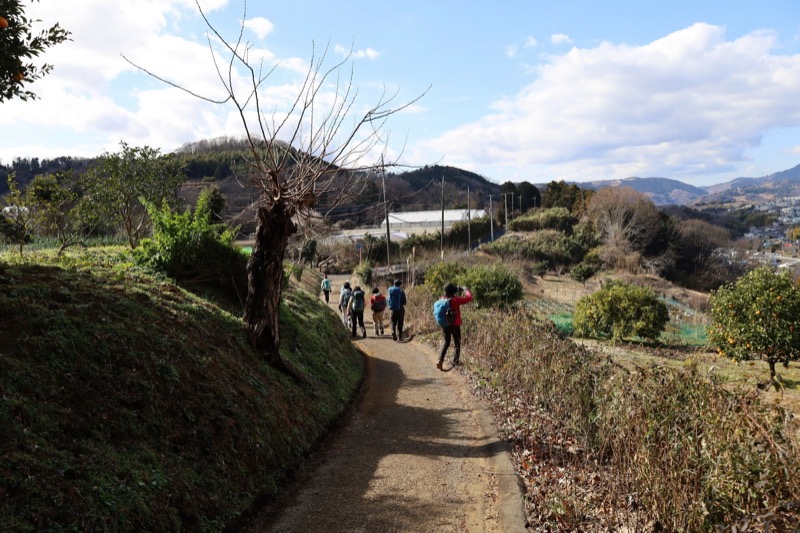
{"points": [[455, 333], [398, 317], [358, 318], [327, 295]]}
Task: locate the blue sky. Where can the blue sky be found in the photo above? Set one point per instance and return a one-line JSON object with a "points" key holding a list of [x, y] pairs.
{"points": [[699, 91]]}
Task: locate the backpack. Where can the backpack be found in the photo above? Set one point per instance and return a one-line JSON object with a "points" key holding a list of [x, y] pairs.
{"points": [[395, 298], [358, 301], [344, 298], [379, 304], [443, 313]]}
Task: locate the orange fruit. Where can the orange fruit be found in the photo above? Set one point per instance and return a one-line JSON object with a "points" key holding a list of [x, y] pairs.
{"points": [[3, 23], [19, 76]]}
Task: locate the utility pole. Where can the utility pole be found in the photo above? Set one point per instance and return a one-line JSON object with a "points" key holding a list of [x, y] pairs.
{"points": [[441, 235], [386, 214], [491, 219], [505, 204], [469, 223]]}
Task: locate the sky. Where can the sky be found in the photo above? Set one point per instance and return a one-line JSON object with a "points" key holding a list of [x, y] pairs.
{"points": [[534, 90]]}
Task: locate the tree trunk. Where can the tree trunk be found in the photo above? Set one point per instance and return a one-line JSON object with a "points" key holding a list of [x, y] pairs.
{"points": [[264, 279], [772, 375]]}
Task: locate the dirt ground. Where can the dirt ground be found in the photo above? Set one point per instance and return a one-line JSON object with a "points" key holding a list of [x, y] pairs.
{"points": [[419, 454]]}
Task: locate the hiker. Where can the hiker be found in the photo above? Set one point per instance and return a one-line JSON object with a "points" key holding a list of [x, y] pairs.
{"points": [[453, 327], [326, 288], [356, 307], [397, 303], [378, 304], [344, 299]]}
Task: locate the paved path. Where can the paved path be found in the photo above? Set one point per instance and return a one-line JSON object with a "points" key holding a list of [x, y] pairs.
{"points": [[419, 454]]}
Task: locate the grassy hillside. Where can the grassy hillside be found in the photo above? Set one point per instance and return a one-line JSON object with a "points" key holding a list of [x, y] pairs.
{"points": [[129, 404]]}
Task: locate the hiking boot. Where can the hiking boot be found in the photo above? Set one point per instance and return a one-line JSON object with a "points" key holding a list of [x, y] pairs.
{"points": [[381, 331], [439, 365], [394, 336]]}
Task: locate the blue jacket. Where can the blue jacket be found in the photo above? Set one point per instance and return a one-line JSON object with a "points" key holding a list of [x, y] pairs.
{"points": [[397, 298]]}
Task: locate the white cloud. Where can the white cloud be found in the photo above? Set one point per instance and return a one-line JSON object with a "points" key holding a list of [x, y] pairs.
{"points": [[513, 49], [560, 38], [369, 53], [165, 37], [690, 103], [260, 26]]}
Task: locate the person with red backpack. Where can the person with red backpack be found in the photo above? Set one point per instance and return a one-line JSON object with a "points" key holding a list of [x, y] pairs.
{"points": [[453, 327], [378, 305]]}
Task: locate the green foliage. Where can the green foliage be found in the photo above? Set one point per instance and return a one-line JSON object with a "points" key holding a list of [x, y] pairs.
{"points": [[582, 272], [211, 201], [309, 251], [442, 273], [619, 311], [189, 248], [18, 225], [493, 285], [462, 232], [19, 45], [557, 218], [559, 194], [60, 211], [757, 317], [364, 272], [119, 184], [551, 247], [530, 196], [295, 271], [539, 268]]}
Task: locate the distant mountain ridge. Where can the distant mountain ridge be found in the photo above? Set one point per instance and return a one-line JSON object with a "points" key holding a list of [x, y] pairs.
{"points": [[666, 191], [663, 191]]}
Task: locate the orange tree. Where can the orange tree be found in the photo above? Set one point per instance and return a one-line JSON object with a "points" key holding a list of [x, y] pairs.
{"points": [[758, 317], [19, 45]]}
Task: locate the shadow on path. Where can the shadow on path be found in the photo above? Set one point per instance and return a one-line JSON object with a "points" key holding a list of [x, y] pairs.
{"points": [[413, 457]]}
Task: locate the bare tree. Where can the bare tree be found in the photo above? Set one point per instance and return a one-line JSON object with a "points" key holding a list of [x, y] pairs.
{"points": [[625, 218], [303, 161]]}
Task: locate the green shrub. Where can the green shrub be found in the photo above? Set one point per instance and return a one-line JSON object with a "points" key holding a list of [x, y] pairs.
{"points": [[364, 273], [557, 218], [553, 247], [618, 311], [493, 285], [582, 272], [443, 272], [189, 248], [296, 272]]}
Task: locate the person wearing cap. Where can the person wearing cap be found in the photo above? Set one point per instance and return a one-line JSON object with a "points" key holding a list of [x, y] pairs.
{"points": [[397, 303], [453, 330], [378, 304]]}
